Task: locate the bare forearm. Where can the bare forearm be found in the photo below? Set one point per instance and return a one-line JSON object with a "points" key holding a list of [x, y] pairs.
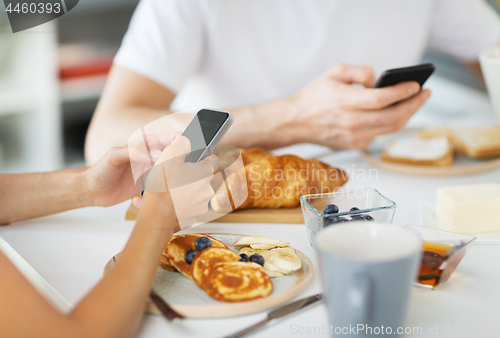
{"points": [[134, 270], [131, 101], [268, 125], [25, 196], [114, 128], [114, 307]]}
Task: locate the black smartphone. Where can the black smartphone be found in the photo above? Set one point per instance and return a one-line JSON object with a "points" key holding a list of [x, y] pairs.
{"points": [[205, 131], [418, 73]]}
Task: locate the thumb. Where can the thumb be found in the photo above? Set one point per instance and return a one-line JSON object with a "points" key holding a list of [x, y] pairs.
{"points": [[353, 74]]}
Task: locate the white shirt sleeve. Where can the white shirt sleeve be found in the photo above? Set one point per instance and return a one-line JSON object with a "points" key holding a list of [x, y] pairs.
{"points": [[164, 41], [463, 28]]}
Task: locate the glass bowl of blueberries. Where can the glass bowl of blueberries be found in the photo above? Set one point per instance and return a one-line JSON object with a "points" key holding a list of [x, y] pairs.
{"points": [[357, 204]]}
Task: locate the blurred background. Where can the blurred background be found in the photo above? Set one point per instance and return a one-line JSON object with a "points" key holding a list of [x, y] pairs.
{"points": [[51, 78]]}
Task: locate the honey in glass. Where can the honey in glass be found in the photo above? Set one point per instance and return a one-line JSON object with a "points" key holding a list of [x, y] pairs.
{"points": [[433, 272]]}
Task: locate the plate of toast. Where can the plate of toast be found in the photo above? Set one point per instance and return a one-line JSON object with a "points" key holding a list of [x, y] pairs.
{"points": [[437, 151], [224, 275]]}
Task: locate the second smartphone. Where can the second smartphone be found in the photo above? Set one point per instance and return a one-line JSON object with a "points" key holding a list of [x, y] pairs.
{"points": [[418, 73]]}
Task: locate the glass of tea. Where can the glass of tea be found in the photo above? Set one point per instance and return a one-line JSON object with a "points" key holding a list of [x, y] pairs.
{"points": [[442, 251]]}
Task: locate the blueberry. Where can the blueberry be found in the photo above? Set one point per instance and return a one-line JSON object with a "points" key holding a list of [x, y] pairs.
{"points": [[202, 243], [333, 220], [256, 258], [369, 218], [358, 217], [329, 221], [331, 209], [353, 210], [189, 255], [244, 258]]}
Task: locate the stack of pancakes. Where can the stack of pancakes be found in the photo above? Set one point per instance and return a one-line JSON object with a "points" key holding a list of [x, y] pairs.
{"points": [[217, 270]]}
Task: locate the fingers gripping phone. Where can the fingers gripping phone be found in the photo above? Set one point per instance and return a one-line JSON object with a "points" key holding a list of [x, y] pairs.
{"points": [[205, 131], [418, 73]]}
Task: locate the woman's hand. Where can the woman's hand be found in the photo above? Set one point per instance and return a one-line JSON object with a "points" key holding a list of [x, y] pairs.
{"points": [[187, 184], [111, 181]]}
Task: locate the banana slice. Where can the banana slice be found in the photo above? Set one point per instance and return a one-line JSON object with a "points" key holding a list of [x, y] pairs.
{"points": [[272, 274], [271, 267], [249, 251], [261, 240], [286, 249], [284, 260], [260, 246]]}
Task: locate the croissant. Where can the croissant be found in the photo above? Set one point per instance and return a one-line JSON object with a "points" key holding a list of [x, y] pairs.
{"points": [[228, 155], [253, 154], [276, 182]]}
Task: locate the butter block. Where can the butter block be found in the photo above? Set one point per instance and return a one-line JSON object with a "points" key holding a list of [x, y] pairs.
{"points": [[469, 208]]}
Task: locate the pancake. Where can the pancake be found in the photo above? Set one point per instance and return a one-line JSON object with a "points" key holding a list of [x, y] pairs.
{"points": [[165, 262], [203, 261], [177, 249], [236, 282]]}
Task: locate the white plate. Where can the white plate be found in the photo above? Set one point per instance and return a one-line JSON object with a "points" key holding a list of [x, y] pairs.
{"points": [[188, 299], [429, 219], [462, 165]]}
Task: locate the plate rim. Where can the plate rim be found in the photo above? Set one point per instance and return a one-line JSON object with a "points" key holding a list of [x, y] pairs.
{"points": [[232, 309]]}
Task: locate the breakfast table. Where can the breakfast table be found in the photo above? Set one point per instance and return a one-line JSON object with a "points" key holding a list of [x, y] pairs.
{"points": [[71, 249]]}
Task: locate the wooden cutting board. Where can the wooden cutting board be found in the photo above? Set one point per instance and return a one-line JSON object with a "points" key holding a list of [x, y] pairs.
{"points": [[283, 215]]}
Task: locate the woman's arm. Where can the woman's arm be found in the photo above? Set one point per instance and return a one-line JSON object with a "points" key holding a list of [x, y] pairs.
{"points": [[110, 181], [26, 196], [114, 307]]}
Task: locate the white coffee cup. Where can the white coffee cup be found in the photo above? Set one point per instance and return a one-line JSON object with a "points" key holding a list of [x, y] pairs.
{"points": [[490, 65]]}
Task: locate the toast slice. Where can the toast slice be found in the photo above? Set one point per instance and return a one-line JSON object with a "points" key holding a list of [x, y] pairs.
{"points": [[415, 150], [477, 142], [177, 250], [236, 282]]}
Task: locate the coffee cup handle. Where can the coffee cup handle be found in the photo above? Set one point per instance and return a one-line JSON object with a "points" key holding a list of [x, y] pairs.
{"points": [[359, 295]]}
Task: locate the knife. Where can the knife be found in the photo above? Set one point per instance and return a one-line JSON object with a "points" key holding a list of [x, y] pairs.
{"points": [[165, 309], [279, 313]]}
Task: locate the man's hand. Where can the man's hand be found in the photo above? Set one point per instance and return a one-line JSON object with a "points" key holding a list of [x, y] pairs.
{"points": [[334, 113]]}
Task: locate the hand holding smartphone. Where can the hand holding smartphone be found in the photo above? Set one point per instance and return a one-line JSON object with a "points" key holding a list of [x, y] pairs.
{"points": [[204, 132]]}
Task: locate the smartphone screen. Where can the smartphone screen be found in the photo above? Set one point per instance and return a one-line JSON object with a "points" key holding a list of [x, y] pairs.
{"points": [[202, 130]]}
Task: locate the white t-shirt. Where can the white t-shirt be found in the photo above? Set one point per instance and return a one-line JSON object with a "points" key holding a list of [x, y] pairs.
{"points": [[231, 53]]}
